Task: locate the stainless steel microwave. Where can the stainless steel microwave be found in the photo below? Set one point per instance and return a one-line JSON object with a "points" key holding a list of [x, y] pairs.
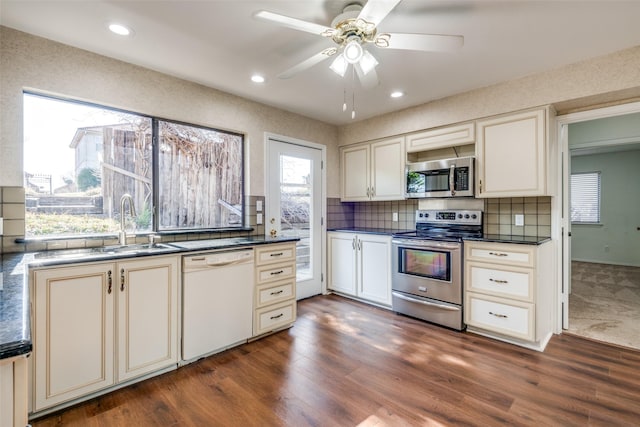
{"points": [[441, 178]]}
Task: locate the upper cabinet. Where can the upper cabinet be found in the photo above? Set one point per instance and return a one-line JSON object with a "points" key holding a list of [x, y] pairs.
{"points": [[373, 171], [444, 137], [511, 155]]}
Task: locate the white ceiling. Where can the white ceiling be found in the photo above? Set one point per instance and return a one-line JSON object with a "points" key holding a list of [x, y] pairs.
{"points": [[219, 44]]}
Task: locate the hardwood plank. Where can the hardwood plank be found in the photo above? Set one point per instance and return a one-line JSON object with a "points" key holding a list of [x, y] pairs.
{"points": [[345, 363]]}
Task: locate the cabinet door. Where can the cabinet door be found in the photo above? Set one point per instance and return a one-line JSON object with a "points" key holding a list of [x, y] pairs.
{"points": [[147, 315], [374, 268], [354, 173], [342, 262], [387, 169], [73, 333], [511, 155]]}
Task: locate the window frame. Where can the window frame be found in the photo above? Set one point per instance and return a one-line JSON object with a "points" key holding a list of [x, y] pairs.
{"points": [[598, 220], [155, 190]]}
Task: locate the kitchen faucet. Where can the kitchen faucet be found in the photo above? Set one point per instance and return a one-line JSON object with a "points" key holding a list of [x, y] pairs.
{"points": [[122, 236]]}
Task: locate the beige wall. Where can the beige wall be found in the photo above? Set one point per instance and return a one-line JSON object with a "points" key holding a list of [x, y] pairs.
{"points": [[29, 62], [605, 79]]}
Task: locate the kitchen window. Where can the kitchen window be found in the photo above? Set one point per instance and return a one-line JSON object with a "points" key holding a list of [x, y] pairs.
{"points": [[80, 159], [585, 198]]}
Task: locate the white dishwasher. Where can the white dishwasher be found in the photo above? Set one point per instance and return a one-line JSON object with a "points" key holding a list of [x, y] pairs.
{"points": [[217, 301]]}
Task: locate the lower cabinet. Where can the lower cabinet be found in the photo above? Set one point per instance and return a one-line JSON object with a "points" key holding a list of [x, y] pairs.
{"points": [[275, 293], [360, 265], [13, 392], [96, 325], [507, 289]]}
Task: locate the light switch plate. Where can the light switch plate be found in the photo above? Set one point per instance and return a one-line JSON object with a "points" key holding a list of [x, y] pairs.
{"points": [[519, 220], [259, 205], [1, 226], [259, 219], [394, 217]]}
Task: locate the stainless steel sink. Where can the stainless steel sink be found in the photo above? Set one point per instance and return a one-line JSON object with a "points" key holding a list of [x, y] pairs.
{"points": [[80, 253]]}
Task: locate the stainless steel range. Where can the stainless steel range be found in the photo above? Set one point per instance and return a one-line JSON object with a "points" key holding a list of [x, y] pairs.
{"points": [[427, 266]]}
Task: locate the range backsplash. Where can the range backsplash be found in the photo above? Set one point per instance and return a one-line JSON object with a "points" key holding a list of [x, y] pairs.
{"points": [[498, 214]]}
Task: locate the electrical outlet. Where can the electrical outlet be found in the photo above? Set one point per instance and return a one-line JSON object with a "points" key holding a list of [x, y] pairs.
{"points": [[1, 281], [1, 226], [519, 220], [259, 219], [606, 248], [394, 217]]}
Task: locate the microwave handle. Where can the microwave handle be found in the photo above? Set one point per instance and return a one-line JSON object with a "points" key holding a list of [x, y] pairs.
{"points": [[452, 180]]}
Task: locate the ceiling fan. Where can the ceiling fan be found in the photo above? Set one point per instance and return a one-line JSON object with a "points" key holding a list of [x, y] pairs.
{"points": [[353, 31]]}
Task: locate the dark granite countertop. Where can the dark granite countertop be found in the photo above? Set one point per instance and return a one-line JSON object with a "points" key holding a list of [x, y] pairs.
{"points": [[383, 231], [509, 238], [15, 331], [15, 328]]}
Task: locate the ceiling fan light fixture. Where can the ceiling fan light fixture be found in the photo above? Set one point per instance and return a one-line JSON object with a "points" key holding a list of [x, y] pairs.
{"points": [[353, 52], [339, 65], [368, 62]]}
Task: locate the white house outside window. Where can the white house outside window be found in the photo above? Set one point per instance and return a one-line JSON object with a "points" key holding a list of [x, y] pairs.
{"points": [[585, 198]]}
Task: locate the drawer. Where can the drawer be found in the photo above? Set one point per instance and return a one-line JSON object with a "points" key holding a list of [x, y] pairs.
{"points": [[512, 318], [275, 253], [275, 292], [271, 273], [509, 254], [272, 317], [510, 282]]}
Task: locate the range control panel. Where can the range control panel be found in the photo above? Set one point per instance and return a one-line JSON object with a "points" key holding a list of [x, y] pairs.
{"points": [[451, 216]]}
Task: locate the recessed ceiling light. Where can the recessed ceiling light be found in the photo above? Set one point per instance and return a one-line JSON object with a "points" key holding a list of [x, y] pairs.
{"points": [[397, 94], [120, 29], [256, 78]]}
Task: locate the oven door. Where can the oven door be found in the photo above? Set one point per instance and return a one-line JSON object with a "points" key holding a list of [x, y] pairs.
{"points": [[428, 269]]}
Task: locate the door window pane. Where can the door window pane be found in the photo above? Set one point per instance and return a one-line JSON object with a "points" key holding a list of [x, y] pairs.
{"points": [[295, 205]]}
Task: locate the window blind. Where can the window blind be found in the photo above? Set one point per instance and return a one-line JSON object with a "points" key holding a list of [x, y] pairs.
{"points": [[585, 197]]}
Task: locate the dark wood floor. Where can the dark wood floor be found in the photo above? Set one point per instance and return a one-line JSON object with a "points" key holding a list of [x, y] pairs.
{"points": [[349, 364]]}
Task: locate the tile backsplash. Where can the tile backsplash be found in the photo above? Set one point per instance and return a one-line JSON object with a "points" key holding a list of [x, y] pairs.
{"points": [[499, 214]]}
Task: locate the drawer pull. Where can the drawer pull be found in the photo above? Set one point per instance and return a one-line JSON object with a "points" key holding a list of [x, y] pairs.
{"points": [[277, 317], [277, 292], [502, 316], [277, 254], [498, 281], [498, 254], [273, 273]]}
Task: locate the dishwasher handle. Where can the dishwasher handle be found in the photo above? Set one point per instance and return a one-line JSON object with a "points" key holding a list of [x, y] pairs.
{"points": [[225, 263]]}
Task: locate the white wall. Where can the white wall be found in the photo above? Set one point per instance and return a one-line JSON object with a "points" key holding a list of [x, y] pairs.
{"points": [[29, 62], [616, 240]]}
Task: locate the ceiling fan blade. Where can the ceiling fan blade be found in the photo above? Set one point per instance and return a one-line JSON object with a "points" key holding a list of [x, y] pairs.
{"points": [[369, 80], [376, 10], [308, 63], [296, 24], [425, 42]]}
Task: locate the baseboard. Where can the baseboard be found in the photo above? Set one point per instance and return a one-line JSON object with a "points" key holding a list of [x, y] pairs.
{"points": [[589, 261]]}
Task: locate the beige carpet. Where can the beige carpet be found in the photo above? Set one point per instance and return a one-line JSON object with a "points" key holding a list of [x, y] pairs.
{"points": [[605, 303]]}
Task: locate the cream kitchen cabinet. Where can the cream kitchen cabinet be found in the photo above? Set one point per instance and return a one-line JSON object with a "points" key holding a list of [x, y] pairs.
{"points": [[13, 391], [360, 266], [511, 155], [444, 137], [275, 293], [373, 171], [99, 324], [508, 292]]}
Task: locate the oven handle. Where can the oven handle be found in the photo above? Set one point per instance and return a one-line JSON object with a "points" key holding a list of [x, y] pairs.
{"points": [[419, 245], [423, 302]]}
